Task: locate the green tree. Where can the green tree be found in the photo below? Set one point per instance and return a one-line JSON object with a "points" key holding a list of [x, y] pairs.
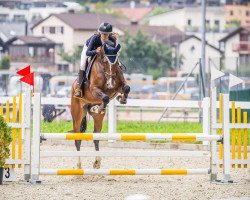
{"points": [[72, 57], [5, 62], [142, 55]]}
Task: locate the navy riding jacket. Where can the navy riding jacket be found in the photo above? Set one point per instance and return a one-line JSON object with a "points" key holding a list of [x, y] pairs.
{"points": [[94, 42]]}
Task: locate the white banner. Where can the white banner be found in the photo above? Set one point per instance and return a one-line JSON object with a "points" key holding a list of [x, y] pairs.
{"points": [[215, 73], [234, 80]]}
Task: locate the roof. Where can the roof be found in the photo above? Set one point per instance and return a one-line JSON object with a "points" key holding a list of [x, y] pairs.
{"points": [[86, 21], [234, 32], [193, 36], [154, 32], [33, 40], [10, 30], [134, 14]]}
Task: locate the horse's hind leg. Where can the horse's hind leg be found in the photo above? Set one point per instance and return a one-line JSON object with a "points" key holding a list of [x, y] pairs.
{"points": [[98, 120]]}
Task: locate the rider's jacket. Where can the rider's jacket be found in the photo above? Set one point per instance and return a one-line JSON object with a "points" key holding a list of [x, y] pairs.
{"points": [[95, 41]]}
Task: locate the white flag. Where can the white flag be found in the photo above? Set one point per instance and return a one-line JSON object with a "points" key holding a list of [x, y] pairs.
{"points": [[215, 73], [234, 80]]}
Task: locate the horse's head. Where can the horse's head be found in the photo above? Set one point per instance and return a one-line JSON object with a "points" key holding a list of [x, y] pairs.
{"points": [[110, 63]]}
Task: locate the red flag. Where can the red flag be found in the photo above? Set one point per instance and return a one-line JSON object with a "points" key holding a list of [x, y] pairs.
{"points": [[24, 71], [28, 79]]}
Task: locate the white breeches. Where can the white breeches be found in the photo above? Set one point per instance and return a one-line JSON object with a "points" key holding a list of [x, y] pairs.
{"points": [[84, 58]]}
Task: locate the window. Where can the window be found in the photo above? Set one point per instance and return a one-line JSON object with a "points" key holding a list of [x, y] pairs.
{"points": [[46, 29], [59, 30], [189, 22], [231, 12], [208, 25], [247, 13], [18, 17], [216, 25], [63, 67], [52, 30], [43, 30]]}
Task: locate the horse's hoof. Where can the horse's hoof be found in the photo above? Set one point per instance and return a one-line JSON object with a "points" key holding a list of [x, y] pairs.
{"points": [[97, 163], [123, 101], [118, 98], [94, 109]]}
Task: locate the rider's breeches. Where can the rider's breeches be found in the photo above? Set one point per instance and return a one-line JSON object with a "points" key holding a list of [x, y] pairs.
{"points": [[84, 58]]}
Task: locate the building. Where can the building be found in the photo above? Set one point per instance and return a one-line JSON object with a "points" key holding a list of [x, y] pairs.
{"points": [[8, 31], [189, 49], [31, 50], [17, 10], [135, 15], [236, 47], [186, 48], [189, 20], [70, 31], [238, 14]]}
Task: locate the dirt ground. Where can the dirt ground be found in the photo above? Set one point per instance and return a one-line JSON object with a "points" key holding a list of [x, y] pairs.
{"points": [[119, 187]]}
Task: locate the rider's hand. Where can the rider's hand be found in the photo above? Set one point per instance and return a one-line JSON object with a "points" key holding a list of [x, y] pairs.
{"points": [[116, 35], [98, 50]]}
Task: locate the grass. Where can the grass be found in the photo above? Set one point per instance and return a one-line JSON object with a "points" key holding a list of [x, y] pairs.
{"points": [[135, 127], [129, 127]]}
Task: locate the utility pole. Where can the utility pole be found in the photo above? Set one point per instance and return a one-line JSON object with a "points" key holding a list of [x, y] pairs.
{"points": [[203, 54]]}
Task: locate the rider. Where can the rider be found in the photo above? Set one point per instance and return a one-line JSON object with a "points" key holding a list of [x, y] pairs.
{"points": [[91, 48]]}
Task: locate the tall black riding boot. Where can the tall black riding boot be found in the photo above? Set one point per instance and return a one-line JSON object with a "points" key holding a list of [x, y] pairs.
{"points": [[80, 81]]}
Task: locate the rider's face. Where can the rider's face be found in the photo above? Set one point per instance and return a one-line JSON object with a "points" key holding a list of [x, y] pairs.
{"points": [[104, 36]]}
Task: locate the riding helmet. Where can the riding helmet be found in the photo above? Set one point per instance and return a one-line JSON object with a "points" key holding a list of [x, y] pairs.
{"points": [[105, 28]]}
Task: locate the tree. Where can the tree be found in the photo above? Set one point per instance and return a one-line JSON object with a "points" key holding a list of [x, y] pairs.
{"points": [[142, 55], [5, 62], [72, 57]]}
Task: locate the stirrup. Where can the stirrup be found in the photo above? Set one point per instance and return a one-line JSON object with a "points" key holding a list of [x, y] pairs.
{"points": [[78, 91]]}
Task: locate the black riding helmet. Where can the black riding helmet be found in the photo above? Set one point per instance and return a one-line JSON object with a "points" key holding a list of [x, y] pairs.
{"points": [[105, 28]]}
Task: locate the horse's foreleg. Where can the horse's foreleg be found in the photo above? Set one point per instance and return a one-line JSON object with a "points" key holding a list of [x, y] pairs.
{"points": [[98, 120], [97, 93], [77, 115], [125, 91]]}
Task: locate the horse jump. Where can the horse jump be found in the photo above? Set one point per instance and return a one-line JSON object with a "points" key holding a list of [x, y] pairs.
{"points": [[214, 138], [227, 160]]}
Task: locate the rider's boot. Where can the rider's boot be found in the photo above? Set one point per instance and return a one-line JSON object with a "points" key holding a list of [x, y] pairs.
{"points": [[80, 83]]}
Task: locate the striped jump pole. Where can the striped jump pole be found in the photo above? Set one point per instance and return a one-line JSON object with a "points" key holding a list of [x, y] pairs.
{"points": [[124, 171], [130, 136]]}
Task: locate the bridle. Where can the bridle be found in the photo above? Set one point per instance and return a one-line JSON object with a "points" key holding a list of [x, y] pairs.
{"points": [[104, 58]]}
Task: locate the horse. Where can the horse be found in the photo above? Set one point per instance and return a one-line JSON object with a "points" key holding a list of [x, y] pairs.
{"points": [[106, 82]]}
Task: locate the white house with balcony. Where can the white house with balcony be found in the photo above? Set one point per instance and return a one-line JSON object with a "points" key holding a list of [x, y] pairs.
{"points": [[189, 20]]}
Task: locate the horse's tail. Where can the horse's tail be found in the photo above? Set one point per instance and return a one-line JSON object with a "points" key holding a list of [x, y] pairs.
{"points": [[83, 126]]}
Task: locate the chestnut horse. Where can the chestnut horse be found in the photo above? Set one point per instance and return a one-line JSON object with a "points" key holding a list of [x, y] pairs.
{"points": [[105, 83]]}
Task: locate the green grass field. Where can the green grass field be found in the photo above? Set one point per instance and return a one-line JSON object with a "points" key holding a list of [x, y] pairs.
{"points": [[135, 127], [130, 127]]}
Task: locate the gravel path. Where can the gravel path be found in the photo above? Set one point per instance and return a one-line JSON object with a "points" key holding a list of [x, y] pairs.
{"points": [[118, 187]]}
